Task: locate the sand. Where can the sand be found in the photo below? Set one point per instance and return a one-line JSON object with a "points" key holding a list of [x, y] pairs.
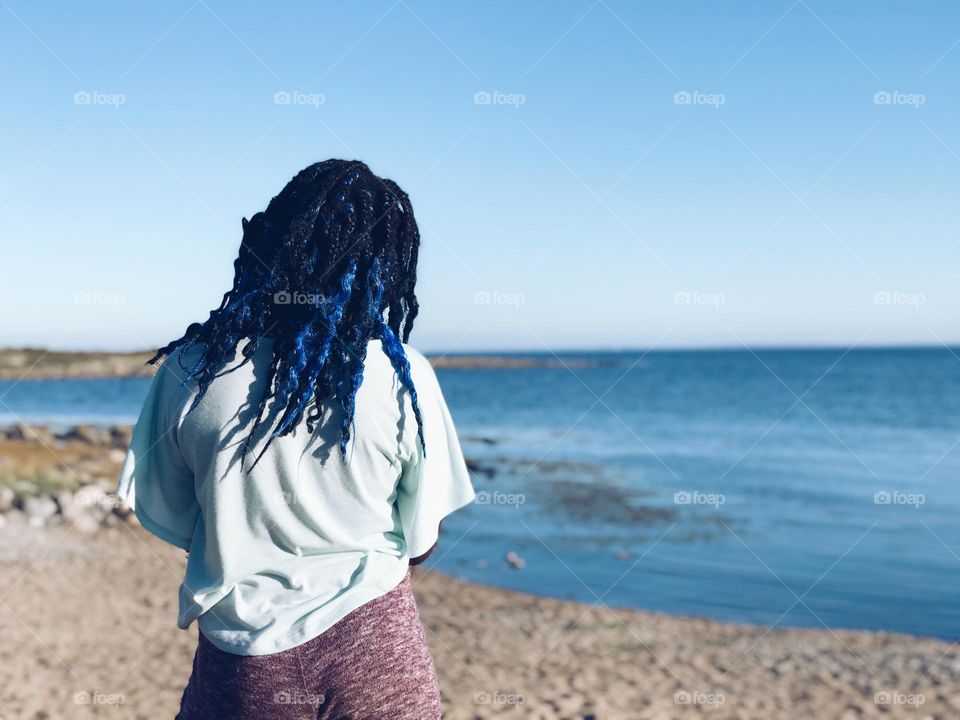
{"points": [[88, 628]]}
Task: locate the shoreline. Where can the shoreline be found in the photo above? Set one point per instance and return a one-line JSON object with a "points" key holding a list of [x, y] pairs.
{"points": [[663, 616]]}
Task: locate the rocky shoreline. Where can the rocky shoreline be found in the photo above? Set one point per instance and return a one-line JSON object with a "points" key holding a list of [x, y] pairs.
{"points": [[67, 477], [40, 364]]}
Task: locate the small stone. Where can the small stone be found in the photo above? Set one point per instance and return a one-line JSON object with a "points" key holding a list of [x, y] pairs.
{"points": [[122, 510], [105, 486], [114, 520], [29, 433], [6, 498], [515, 561], [84, 523], [107, 503], [80, 515], [39, 510], [120, 436], [66, 502], [86, 434], [96, 502]]}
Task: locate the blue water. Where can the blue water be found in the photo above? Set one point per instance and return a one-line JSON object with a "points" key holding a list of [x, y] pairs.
{"points": [[792, 447]]}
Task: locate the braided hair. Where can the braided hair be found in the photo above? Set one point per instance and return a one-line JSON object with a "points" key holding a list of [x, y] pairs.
{"points": [[329, 265]]}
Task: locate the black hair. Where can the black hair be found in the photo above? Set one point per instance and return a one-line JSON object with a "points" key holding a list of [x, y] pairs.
{"points": [[329, 265]]}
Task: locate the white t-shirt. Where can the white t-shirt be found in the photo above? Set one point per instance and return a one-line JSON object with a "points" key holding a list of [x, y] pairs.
{"points": [[279, 554]]}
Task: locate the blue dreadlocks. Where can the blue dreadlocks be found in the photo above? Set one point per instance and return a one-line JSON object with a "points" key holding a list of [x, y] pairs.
{"points": [[329, 265]]}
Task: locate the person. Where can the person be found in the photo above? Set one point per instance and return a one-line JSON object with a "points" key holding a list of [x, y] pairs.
{"points": [[303, 455]]}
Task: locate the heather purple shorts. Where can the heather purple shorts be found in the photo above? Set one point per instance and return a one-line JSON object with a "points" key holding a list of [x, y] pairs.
{"points": [[372, 664]]}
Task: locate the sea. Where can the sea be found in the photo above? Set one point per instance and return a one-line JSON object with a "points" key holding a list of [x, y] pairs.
{"points": [[792, 488]]}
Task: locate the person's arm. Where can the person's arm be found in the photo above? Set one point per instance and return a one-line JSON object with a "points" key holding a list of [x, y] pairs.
{"points": [[156, 481], [434, 480]]}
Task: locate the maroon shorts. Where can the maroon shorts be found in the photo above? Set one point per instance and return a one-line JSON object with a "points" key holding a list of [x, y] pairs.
{"points": [[374, 663]]}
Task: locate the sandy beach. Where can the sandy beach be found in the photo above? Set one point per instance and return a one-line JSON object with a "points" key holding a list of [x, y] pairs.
{"points": [[88, 607], [88, 628]]}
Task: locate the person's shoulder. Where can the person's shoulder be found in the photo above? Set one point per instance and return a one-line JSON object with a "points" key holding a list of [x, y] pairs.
{"points": [[174, 369], [422, 373], [419, 364], [173, 388], [414, 355]]}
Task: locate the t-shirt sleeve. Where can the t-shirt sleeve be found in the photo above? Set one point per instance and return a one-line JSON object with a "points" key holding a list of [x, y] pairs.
{"points": [[155, 479], [436, 483]]}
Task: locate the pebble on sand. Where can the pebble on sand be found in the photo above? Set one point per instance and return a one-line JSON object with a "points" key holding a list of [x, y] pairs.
{"points": [[39, 510]]}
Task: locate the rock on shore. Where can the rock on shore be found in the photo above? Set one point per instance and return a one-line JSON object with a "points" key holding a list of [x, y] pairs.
{"points": [[62, 478]]}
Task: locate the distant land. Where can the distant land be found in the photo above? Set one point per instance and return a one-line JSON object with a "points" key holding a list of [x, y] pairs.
{"points": [[40, 364]]}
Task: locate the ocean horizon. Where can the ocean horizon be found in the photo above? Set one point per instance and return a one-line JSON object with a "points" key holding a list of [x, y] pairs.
{"points": [[568, 350]]}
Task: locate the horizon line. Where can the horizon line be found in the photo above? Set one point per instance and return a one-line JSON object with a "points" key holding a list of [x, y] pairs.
{"points": [[948, 346]]}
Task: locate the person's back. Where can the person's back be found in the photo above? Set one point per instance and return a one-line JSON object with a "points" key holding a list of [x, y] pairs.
{"points": [[303, 466]]}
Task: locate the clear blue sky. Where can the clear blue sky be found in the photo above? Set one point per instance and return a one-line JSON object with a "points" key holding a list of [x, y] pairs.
{"points": [[589, 203]]}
